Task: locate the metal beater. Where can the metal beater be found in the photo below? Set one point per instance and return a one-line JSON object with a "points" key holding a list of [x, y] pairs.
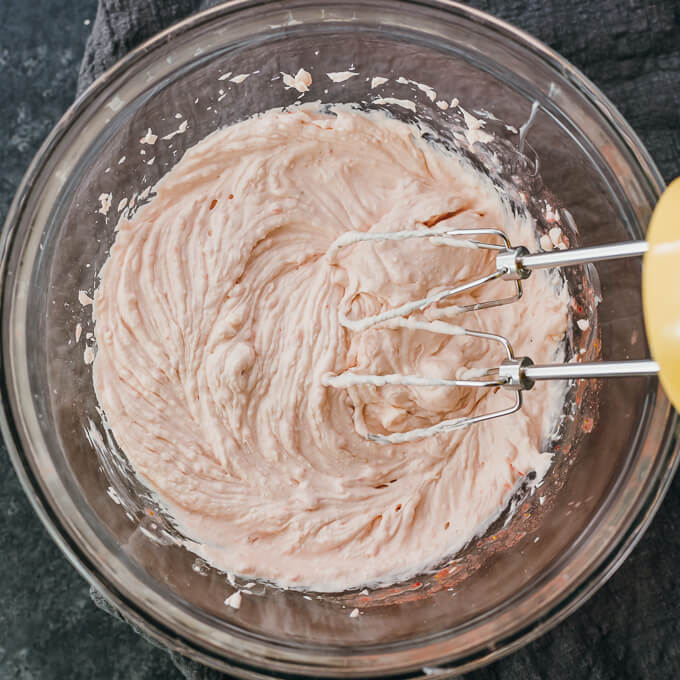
{"points": [[516, 373]]}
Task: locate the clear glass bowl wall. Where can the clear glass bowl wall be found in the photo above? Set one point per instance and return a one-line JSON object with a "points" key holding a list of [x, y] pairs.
{"points": [[506, 587]]}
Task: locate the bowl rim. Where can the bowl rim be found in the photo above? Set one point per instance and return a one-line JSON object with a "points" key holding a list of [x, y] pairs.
{"points": [[666, 459]]}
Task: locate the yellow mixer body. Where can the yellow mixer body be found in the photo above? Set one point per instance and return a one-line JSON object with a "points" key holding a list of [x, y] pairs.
{"points": [[661, 290]]}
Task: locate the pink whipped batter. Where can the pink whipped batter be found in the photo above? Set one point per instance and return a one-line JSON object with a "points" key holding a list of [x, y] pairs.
{"points": [[217, 320]]}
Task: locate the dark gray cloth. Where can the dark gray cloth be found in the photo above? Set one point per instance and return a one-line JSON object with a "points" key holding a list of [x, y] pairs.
{"points": [[631, 50]]}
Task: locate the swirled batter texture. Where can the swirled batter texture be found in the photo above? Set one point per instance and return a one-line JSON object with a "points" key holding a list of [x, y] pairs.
{"points": [[217, 319]]}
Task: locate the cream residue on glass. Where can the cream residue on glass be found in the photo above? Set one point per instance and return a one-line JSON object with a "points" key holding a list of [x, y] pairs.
{"points": [[217, 319]]}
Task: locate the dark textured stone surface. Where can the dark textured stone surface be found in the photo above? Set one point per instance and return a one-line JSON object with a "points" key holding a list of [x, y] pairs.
{"points": [[50, 629]]}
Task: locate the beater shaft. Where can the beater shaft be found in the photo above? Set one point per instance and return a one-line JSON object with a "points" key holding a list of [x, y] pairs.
{"points": [[520, 373], [593, 369], [519, 262]]}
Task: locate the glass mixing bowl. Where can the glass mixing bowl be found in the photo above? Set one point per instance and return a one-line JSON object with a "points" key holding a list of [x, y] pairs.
{"points": [[616, 451]]}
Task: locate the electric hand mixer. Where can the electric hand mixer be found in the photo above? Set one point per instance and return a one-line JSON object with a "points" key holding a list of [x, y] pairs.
{"points": [[661, 307]]}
